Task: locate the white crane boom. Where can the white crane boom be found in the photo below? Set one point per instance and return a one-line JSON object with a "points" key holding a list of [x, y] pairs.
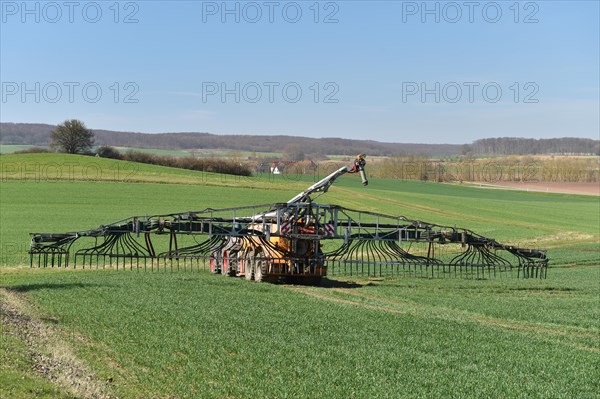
{"points": [[358, 166]]}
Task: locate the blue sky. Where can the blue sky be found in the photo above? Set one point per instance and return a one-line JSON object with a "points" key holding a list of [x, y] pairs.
{"points": [[400, 71]]}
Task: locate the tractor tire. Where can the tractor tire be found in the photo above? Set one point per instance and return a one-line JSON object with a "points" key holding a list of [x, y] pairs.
{"points": [[261, 269], [224, 263], [227, 266], [249, 268], [215, 263], [258, 270]]}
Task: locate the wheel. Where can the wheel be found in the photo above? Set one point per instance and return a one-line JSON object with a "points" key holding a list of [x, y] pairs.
{"points": [[261, 269], [225, 263], [248, 268], [240, 264], [228, 265], [215, 263], [258, 270]]}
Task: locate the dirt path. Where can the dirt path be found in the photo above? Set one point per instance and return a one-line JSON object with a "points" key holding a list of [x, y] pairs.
{"points": [[53, 357]]}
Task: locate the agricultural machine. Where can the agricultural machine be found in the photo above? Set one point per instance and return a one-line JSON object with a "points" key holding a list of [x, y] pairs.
{"points": [[299, 239]]}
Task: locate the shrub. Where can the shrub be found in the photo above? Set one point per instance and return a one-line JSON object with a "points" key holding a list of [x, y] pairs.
{"points": [[33, 150], [214, 165], [108, 152]]}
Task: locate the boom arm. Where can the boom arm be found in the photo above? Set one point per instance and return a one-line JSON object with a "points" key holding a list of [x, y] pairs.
{"points": [[358, 166]]}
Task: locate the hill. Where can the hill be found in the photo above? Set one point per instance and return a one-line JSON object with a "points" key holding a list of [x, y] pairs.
{"points": [[39, 135]]}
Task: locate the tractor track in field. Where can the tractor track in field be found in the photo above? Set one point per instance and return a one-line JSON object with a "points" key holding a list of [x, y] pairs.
{"points": [[354, 297], [53, 357]]}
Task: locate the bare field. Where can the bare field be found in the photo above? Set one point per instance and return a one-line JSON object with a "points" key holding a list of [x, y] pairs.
{"points": [[550, 187]]}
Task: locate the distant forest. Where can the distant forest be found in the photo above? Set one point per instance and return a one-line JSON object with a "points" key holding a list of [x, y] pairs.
{"points": [[39, 135], [521, 146]]}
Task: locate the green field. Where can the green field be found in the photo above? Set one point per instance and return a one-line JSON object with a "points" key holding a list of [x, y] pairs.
{"points": [[10, 148], [196, 335]]}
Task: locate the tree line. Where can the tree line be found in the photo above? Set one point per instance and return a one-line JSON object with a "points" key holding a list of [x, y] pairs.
{"points": [[499, 169], [40, 135], [212, 165], [524, 146]]}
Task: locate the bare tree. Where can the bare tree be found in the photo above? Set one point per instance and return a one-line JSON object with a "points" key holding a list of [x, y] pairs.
{"points": [[72, 137]]}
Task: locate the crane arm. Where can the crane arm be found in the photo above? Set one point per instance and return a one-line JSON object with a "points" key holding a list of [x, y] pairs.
{"points": [[358, 166]]}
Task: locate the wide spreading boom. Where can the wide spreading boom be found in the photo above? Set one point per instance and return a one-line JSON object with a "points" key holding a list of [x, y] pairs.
{"points": [[298, 239]]}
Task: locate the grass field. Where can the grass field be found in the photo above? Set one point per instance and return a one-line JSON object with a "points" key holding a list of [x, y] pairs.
{"points": [[193, 334], [10, 148]]}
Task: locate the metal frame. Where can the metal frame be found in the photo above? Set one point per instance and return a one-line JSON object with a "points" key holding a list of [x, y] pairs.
{"points": [[345, 242]]}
